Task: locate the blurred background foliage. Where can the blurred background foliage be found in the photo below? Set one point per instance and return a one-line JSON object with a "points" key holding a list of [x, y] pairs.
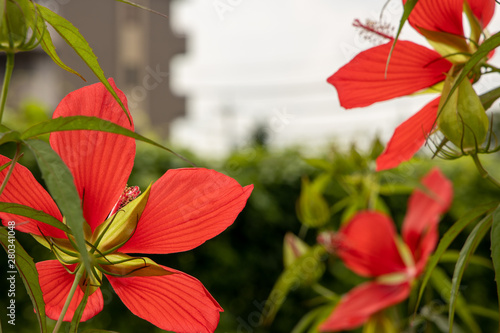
{"points": [[241, 266]]}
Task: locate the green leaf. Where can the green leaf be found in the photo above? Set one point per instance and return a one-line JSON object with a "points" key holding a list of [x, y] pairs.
{"points": [[495, 248], [488, 98], [60, 183], [4, 128], [10, 136], [27, 270], [449, 237], [74, 39], [482, 51], [313, 318], [451, 256], [482, 311], [77, 316], [49, 48], [93, 330], [21, 210], [312, 208], [408, 7], [303, 271], [319, 163], [142, 7], [467, 250], [380, 322], [442, 284], [88, 123], [396, 189]]}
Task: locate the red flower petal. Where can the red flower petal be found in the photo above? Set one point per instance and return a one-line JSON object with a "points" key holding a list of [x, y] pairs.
{"points": [[483, 10], [442, 16], [412, 68], [56, 282], [186, 207], [22, 188], [360, 303], [176, 302], [100, 162], [367, 245], [422, 216], [409, 137]]}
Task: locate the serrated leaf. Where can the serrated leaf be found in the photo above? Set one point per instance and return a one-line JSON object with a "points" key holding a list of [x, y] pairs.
{"points": [[74, 39], [449, 237], [304, 271], [49, 48], [27, 270], [21, 210], [495, 248], [61, 186], [467, 250], [442, 284], [88, 123]]}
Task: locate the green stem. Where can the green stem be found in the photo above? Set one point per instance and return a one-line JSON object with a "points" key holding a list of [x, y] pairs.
{"points": [[325, 292], [9, 67], [78, 275], [483, 172], [493, 68], [11, 169]]}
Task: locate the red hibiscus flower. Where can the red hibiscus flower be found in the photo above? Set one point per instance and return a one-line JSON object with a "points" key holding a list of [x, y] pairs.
{"points": [[369, 246], [413, 68], [180, 211]]}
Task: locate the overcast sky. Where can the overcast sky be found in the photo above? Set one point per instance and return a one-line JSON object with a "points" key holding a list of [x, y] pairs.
{"points": [[248, 62]]}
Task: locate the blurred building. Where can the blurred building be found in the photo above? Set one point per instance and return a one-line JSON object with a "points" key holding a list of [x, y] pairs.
{"points": [[133, 46]]}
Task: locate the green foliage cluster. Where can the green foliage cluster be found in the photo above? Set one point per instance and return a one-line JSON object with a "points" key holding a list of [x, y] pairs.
{"points": [[240, 267]]}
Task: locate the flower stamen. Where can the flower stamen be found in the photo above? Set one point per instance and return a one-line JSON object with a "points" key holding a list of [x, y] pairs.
{"points": [[372, 29], [129, 194]]}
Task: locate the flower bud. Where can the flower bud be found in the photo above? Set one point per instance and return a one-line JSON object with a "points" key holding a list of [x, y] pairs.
{"points": [[462, 119], [17, 26], [293, 249]]}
